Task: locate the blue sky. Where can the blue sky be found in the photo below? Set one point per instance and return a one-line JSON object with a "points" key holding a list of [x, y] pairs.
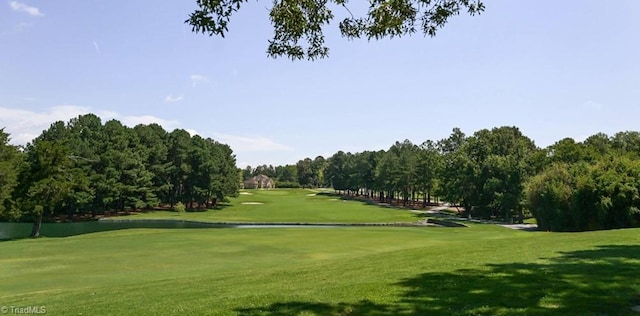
{"points": [[555, 69]]}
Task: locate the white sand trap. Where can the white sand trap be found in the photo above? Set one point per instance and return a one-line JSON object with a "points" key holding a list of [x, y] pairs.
{"points": [[311, 194], [246, 193], [251, 203]]}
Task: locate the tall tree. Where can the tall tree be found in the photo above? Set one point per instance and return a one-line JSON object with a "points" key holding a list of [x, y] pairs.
{"points": [[86, 143], [317, 169], [132, 187], [598, 145], [428, 169], [45, 179], [567, 150], [154, 148], [487, 172], [287, 173], [335, 172], [300, 21], [178, 171], [10, 160], [627, 142], [268, 171], [305, 171], [224, 178], [455, 188], [247, 172]]}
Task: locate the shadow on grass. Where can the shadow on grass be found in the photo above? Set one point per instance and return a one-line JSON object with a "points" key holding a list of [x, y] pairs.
{"points": [[218, 207], [363, 307], [602, 281]]}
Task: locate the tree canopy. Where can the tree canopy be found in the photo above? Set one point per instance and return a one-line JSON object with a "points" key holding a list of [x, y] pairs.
{"points": [[497, 174], [83, 169], [299, 24]]}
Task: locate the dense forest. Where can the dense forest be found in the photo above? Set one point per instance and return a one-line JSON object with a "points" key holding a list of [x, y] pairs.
{"points": [[493, 174], [84, 168]]}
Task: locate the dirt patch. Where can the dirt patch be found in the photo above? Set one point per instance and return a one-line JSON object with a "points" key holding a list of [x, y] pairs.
{"points": [[251, 203]]}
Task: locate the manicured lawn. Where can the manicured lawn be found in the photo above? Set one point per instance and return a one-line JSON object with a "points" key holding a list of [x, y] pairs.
{"points": [[286, 205], [483, 269]]}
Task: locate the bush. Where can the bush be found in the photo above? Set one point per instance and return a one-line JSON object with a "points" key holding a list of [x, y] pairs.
{"points": [[288, 185], [180, 207], [581, 196]]}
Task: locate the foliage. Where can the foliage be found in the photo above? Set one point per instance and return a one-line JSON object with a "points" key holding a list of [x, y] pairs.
{"points": [[577, 185], [179, 207], [296, 21], [582, 196], [549, 197], [85, 168], [288, 185], [10, 160], [486, 172]]}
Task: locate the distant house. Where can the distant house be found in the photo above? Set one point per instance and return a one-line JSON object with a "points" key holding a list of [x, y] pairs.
{"points": [[259, 182]]}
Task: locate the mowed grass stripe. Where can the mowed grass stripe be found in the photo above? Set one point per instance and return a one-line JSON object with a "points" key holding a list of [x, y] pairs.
{"points": [[386, 271], [292, 206]]}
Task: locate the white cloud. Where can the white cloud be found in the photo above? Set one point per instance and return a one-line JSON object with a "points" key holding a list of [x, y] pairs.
{"points": [[21, 7], [192, 132], [250, 144], [132, 120], [25, 125], [95, 45], [170, 98], [195, 79]]}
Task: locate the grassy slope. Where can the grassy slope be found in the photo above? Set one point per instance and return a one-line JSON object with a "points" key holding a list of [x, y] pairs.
{"points": [[484, 269], [292, 206]]}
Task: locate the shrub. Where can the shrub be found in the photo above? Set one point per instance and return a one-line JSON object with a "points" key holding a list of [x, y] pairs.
{"points": [[180, 207], [288, 185]]}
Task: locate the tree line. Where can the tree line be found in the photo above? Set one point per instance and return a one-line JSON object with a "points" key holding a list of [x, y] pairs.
{"points": [[84, 168], [493, 174], [305, 173]]}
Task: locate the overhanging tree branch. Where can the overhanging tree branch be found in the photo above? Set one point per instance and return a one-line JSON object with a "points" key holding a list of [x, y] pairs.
{"points": [[298, 24]]}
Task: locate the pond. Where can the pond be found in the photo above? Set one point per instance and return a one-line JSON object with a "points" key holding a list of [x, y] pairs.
{"points": [[21, 230]]}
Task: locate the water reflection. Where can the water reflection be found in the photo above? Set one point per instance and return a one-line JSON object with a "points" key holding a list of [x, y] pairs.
{"points": [[21, 230]]}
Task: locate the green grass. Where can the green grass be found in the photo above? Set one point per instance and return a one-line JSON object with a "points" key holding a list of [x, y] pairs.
{"points": [[481, 270], [484, 269], [295, 206]]}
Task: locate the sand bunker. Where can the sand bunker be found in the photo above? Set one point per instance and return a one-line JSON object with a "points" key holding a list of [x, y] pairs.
{"points": [[246, 193], [311, 194], [251, 203]]}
